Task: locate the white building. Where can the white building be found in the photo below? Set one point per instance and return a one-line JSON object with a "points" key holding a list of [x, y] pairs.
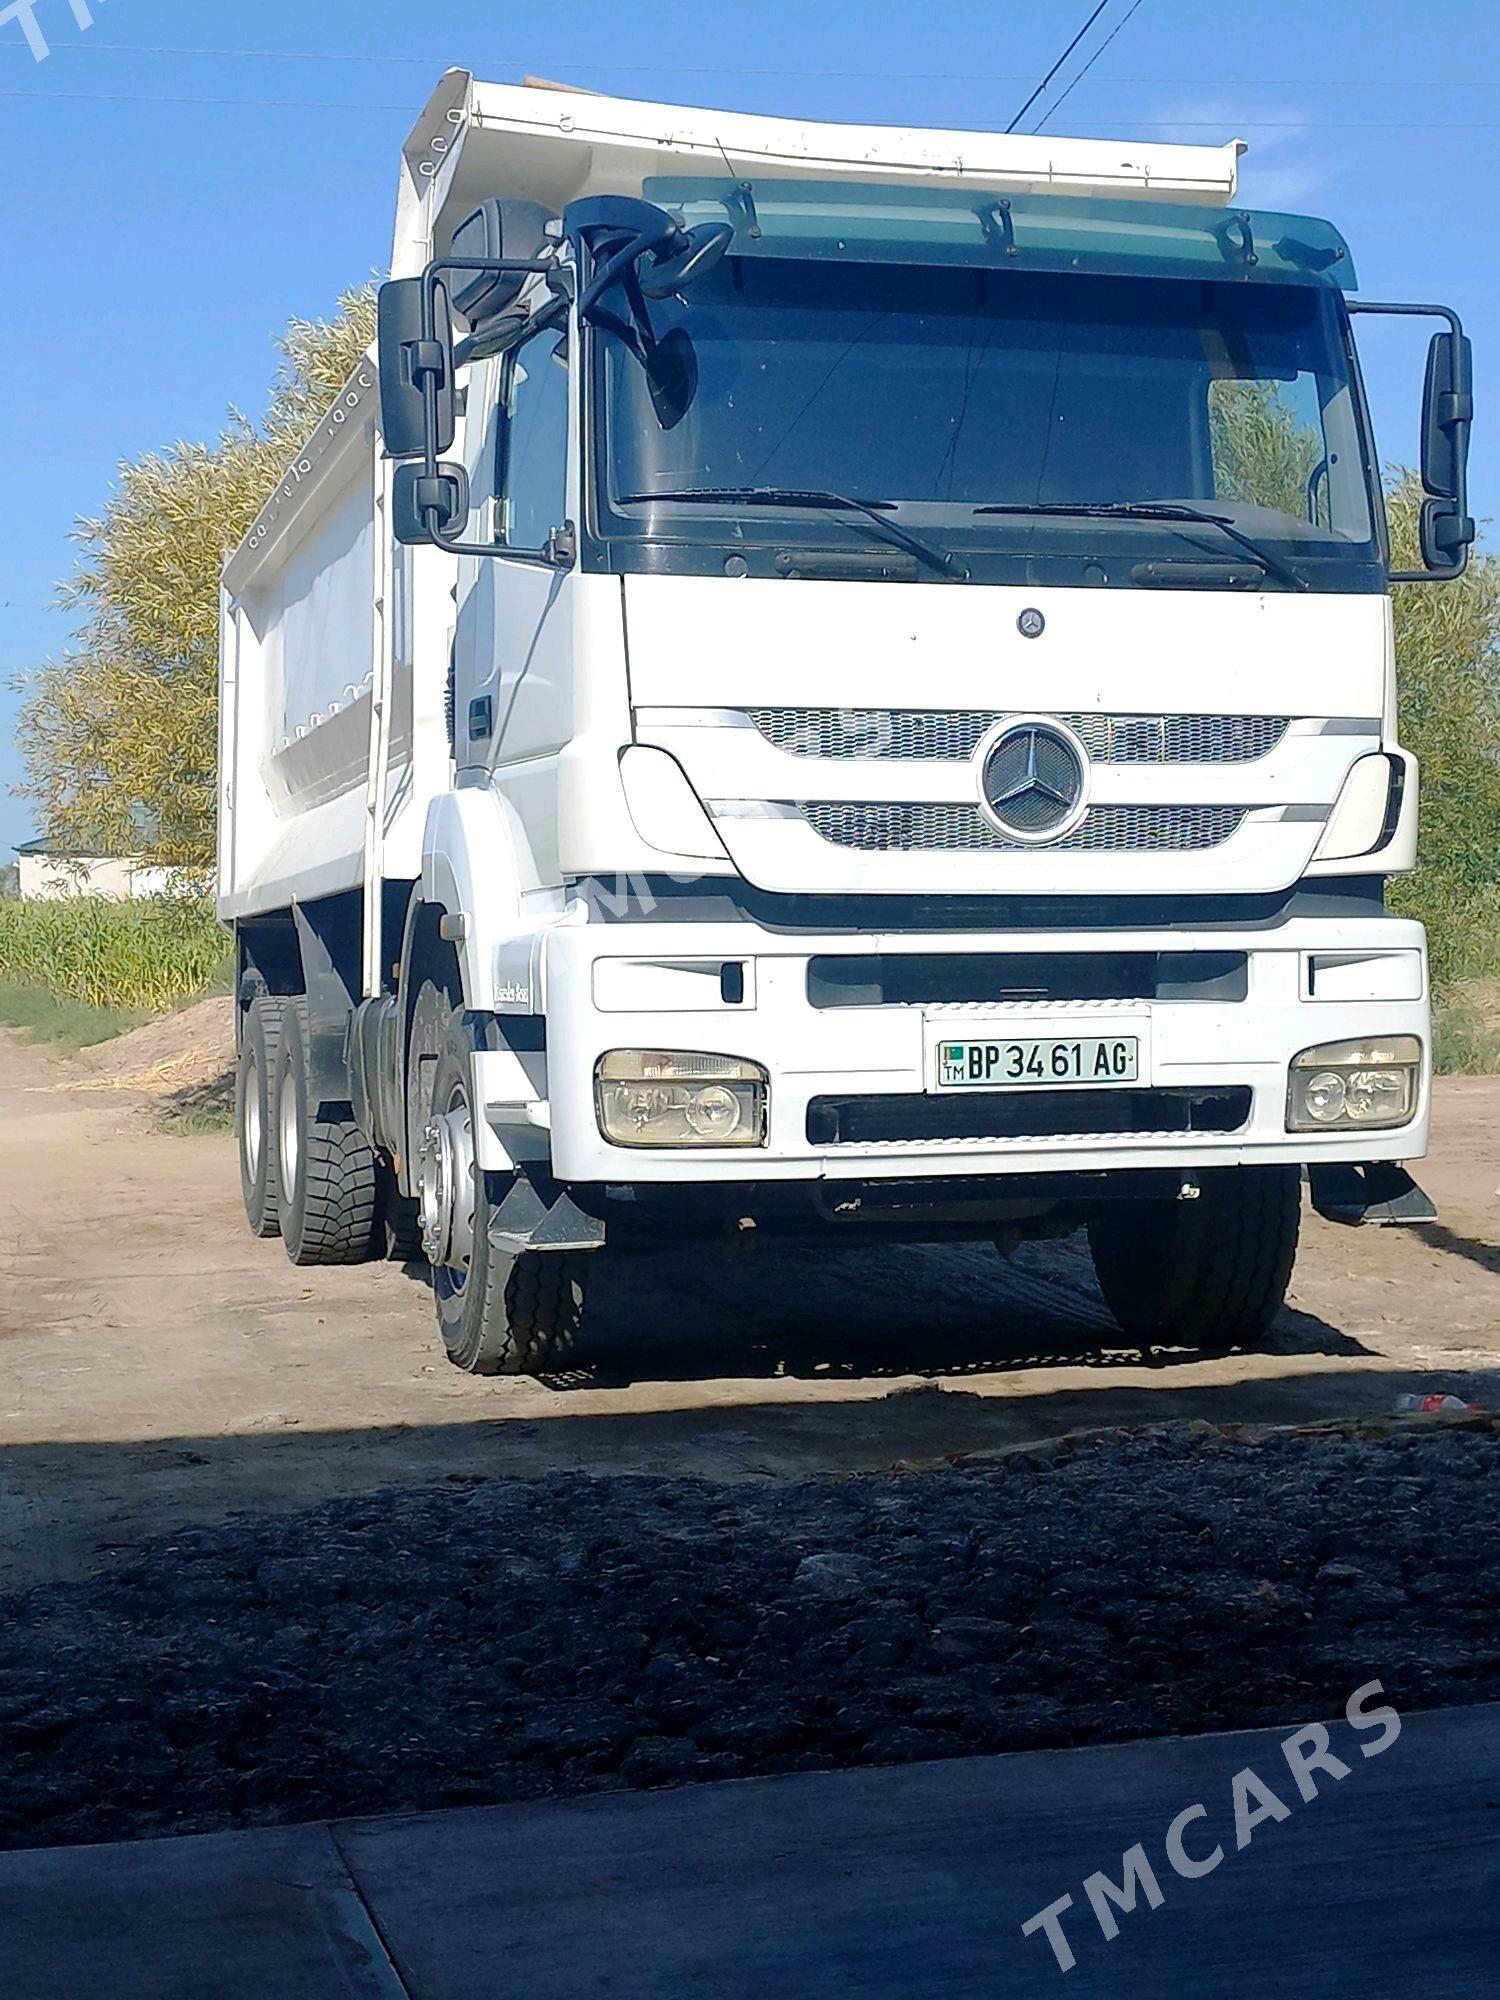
{"points": [[46, 875]]}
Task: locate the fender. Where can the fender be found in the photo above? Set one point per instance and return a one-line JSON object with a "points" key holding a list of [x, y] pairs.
{"points": [[473, 857], [472, 881]]}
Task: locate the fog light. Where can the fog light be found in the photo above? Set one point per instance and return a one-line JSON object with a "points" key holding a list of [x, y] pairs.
{"points": [[1369, 1085], [665, 1097]]}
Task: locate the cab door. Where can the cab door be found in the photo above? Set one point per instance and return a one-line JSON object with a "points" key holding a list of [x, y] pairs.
{"points": [[513, 644]]}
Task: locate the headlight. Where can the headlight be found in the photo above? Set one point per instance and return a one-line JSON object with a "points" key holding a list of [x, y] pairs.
{"points": [[665, 1097], [1346, 1086]]}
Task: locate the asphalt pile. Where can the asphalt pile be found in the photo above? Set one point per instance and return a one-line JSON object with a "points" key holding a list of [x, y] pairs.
{"points": [[478, 1642]]}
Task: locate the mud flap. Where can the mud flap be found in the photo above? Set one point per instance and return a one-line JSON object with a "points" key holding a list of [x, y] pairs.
{"points": [[1378, 1193], [547, 1218]]}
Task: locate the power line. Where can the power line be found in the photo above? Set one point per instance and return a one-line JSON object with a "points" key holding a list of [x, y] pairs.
{"points": [[1059, 102], [1057, 65]]}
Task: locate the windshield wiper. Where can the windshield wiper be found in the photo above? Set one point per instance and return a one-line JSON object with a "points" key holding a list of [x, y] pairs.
{"points": [[875, 511], [1155, 510]]}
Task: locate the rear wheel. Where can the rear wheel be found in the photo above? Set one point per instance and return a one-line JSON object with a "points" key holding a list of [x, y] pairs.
{"points": [[499, 1313], [254, 1114], [1210, 1273], [327, 1166]]}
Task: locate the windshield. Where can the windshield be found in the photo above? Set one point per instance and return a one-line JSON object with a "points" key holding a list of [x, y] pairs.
{"points": [[945, 391]]}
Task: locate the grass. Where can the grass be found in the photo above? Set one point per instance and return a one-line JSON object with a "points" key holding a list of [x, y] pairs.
{"points": [[43, 1016], [139, 958]]}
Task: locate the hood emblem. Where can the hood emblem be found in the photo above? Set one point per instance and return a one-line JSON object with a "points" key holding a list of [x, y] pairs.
{"points": [[1033, 780]]}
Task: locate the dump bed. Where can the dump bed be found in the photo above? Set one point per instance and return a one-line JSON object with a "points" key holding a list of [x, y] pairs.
{"points": [[333, 666]]}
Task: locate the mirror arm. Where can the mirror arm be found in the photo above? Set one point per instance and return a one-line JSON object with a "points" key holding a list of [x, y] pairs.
{"points": [[640, 315], [609, 273], [1456, 407], [626, 334], [1455, 324]]}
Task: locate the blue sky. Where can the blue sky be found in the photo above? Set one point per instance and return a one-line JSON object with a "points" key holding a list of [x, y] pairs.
{"points": [[153, 247]]}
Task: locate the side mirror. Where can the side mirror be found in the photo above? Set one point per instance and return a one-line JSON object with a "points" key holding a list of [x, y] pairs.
{"points": [[408, 360], [418, 396], [703, 249], [422, 501], [495, 232], [1447, 413], [1447, 528], [623, 231], [672, 377]]}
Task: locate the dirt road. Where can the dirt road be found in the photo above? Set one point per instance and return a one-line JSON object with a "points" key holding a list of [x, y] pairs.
{"points": [[158, 1367]]}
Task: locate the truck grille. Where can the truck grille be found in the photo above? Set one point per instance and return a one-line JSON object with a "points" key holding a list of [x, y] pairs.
{"points": [[1024, 1114], [953, 734], [985, 979], [902, 828]]}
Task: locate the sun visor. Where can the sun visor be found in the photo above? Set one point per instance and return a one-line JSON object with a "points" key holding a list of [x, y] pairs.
{"points": [[830, 219]]}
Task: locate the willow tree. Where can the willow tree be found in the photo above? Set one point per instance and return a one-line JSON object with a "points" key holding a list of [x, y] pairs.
{"points": [[119, 736], [1448, 673]]}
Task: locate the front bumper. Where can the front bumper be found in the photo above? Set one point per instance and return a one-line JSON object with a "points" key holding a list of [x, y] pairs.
{"points": [[1308, 981]]}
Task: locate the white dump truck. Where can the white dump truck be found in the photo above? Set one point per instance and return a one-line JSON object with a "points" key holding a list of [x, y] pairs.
{"points": [[834, 682]]}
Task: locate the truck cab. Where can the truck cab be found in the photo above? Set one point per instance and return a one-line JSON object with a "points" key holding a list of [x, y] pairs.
{"points": [[880, 719]]}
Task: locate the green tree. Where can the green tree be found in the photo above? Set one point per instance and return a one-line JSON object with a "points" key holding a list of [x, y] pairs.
{"points": [[1448, 677], [119, 736]]}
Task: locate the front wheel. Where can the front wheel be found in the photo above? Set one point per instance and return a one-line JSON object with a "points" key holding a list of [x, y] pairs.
{"points": [[1210, 1273], [499, 1313]]}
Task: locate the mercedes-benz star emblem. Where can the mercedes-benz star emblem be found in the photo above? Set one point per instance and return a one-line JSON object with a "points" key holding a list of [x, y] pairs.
{"points": [[1033, 782], [1031, 624]]}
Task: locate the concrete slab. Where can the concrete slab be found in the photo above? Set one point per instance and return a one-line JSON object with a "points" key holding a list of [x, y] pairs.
{"points": [[890, 1884], [231, 1916], [867, 1885]]}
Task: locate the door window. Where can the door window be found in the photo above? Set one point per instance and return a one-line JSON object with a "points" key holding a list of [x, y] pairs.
{"points": [[533, 483]]}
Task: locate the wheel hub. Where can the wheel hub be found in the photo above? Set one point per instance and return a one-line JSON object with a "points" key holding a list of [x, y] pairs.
{"points": [[445, 1186], [289, 1133], [250, 1125]]}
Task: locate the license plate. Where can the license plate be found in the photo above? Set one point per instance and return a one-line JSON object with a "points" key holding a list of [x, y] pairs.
{"points": [[1040, 1060]]}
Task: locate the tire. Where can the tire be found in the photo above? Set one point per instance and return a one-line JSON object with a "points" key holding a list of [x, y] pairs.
{"points": [[520, 1315], [327, 1166], [1210, 1273], [499, 1314], [254, 1114]]}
